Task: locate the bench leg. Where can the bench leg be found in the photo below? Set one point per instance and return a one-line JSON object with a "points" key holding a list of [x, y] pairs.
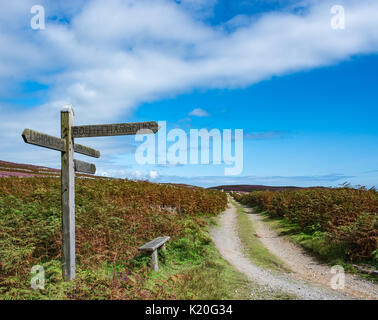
{"points": [[154, 260]]}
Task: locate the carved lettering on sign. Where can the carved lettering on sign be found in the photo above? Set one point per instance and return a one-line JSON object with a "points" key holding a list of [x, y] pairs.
{"points": [[43, 140], [51, 142], [84, 167], [115, 129], [86, 150]]}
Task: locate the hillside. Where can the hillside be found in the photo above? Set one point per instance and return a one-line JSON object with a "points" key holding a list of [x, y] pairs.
{"points": [[113, 218], [11, 169], [334, 223], [250, 188]]}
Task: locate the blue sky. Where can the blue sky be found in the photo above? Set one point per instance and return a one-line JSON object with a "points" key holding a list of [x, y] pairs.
{"points": [[304, 94]]}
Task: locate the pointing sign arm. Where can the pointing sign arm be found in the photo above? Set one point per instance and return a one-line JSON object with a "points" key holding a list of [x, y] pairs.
{"points": [[84, 167], [116, 129], [43, 140], [54, 143], [86, 150]]}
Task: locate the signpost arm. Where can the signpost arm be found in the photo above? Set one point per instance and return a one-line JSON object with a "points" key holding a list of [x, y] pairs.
{"points": [[68, 195], [67, 147]]}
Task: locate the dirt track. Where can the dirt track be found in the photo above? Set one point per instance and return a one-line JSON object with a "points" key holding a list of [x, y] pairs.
{"points": [[226, 239], [305, 266]]}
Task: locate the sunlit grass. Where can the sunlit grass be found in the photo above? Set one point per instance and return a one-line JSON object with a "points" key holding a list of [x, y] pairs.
{"points": [[253, 247]]}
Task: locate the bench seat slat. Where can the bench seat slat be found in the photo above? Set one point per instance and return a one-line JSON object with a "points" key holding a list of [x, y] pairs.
{"points": [[154, 244]]}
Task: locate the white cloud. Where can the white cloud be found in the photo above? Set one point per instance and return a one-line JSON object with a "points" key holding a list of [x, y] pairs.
{"points": [[199, 113], [333, 179], [116, 54], [153, 174], [106, 57], [137, 174]]}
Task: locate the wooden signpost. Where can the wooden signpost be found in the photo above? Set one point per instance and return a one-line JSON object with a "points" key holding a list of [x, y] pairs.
{"points": [[66, 145], [54, 143], [117, 129]]}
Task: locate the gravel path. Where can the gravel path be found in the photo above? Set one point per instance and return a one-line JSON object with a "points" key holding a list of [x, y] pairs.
{"points": [[305, 266], [228, 244]]}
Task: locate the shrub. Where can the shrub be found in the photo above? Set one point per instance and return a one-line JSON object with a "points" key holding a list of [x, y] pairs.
{"points": [[113, 218], [347, 216]]}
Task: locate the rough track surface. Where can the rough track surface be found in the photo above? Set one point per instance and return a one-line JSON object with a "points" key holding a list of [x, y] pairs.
{"points": [[225, 237], [305, 266]]}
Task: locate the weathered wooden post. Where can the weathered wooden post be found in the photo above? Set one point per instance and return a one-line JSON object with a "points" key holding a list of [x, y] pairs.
{"points": [[67, 147], [68, 194]]}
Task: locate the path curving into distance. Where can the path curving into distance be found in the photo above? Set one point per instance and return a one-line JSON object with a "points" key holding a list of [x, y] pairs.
{"points": [[225, 237], [304, 265]]}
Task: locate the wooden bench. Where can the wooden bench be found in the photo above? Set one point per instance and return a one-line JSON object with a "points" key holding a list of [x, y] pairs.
{"points": [[151, 248]]}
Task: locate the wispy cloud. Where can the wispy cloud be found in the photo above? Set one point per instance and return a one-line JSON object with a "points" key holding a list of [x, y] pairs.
{"points": [[107, 57], [264, 135], [207, 181], [370, 171], [199, 113], [107, 68]]}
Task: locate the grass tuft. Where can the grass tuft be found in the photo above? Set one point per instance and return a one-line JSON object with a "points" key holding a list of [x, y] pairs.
{"points": [[253, 247]]}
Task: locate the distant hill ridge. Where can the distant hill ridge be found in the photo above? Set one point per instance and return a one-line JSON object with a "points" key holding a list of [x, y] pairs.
{"points": [[250, 188], [12, 169]]}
